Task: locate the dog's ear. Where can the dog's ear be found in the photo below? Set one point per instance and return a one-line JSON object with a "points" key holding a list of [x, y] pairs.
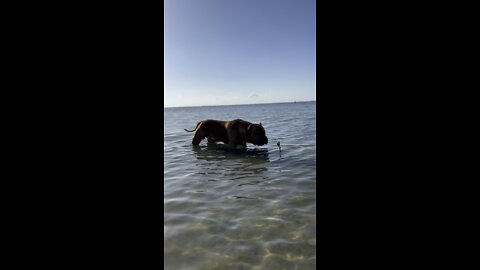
{"points": [[260, 123]]}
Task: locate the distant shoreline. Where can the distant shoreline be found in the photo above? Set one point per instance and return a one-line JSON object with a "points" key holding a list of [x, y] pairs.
{"points": [[240, 104]]}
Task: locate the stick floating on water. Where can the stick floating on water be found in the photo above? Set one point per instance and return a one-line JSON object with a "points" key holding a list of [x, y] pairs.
{"points": [[278, 144]]}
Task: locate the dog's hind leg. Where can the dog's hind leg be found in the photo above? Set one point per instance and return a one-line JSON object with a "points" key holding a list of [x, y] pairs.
{"points": [[197, 139], [199, 136]]}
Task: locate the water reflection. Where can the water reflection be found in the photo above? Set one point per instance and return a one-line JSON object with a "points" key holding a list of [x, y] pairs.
{"points": [[220, 164], [212, 152]]}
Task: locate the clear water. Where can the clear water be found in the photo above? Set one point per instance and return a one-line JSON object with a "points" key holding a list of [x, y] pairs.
{"points": [[251, 209]]}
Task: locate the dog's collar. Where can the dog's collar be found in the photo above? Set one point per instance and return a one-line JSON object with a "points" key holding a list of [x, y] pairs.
{"points": [[248, 133]]}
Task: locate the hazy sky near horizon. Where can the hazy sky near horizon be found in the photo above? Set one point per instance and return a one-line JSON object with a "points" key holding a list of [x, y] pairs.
{"points": [[223, 52]]}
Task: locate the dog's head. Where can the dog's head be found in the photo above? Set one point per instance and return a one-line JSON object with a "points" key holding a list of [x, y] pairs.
{"points": [[256, 134]]}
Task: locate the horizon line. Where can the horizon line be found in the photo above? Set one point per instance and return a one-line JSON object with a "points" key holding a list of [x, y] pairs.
{"points": [[239, 104]]}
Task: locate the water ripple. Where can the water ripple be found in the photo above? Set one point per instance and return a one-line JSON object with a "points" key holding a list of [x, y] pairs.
{"points": [[252, 209]]}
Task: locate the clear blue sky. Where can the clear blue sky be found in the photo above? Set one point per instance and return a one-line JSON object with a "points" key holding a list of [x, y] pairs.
{"points": [[223, 52]]}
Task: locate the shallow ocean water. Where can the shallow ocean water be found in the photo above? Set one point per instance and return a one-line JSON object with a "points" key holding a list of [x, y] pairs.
{"points": [[252, 209]]}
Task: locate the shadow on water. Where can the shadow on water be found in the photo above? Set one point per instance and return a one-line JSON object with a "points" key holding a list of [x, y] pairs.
{"points": [[232, 164], [213, 152]]}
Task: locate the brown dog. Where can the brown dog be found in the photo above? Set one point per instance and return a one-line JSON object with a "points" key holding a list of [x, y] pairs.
{"points": [[233, 133]]}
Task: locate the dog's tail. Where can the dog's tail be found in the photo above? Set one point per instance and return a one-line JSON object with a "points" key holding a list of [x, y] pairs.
{"points": [[194, 128]]}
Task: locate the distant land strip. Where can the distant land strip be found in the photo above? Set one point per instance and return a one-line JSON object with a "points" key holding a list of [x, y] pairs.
{"points": [[198, 106]]}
